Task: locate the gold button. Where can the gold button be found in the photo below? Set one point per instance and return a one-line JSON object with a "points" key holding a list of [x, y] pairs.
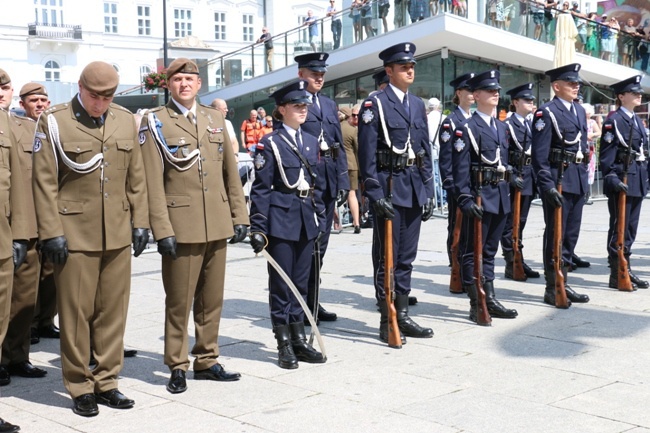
{"points": [[78, 149], [106, 195], [173, 202], [65, 209]]}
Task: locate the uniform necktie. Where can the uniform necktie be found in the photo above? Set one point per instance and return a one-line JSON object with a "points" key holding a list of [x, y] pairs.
{"points": [[316, 104], [405, 103], [573, 109], [99, 121], [191, 118], [493, 124], [298, 141]]}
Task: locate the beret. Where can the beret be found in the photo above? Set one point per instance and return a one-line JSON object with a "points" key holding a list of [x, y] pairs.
{"points": [[33, 89], [100, 77], [181, 66]]}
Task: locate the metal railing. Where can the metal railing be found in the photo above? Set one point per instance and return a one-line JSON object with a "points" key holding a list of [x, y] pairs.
{"points": [[54, 31]]}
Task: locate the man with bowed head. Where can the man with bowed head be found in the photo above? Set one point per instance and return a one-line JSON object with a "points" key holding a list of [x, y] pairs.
{"points": [[90, 197], [196, 203], [394, 144]]}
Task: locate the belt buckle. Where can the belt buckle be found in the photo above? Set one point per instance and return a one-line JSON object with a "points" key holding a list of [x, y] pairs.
{"points": [[579, 159], [410, 161], [303, 193], [528, 160]]}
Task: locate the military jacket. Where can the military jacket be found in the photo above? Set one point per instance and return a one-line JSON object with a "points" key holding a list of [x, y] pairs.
{"points": [[277, 209], [411, 185], [546, 138], [615, 139], [199, 200], [519, 140], [494, 150], [23, 129], [445, 135], [95, 210]]}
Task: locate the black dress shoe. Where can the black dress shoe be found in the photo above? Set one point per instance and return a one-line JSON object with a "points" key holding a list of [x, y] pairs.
{"points": [[26, 369], [357, 230], [638, 282], [326, 316], [177, 382], [413, 300], [130, 353], [216, 372], [85, 405], [5, 378], [33, 337], [530, 273], [573, 296], [549, 298], [115, 399], [50, 331], [6, 427], [579, 262]]}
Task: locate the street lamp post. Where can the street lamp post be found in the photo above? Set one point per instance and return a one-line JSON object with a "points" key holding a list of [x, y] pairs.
{"points": [[165, 46]]}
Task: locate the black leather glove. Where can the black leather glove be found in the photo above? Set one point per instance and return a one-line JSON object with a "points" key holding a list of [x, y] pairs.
{"points": [[517, 182], [384, 208], [258, 242], [240, 233], [427, 209], [553, 197], [320, 236], [56, 250], [140, 238], [167, 246], [341, 197], [471, 209], [20, 253], [621, 187]]}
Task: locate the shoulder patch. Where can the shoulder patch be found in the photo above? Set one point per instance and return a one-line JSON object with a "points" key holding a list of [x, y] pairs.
{"points": [[37, 145], [40, 135], [459, 144], [259, 161], [539, 113], [260, 146], [539, 124], [367, 104], [445, 136], [459, 133], [608, 126], [446, 125], [142, 138], [608, 137], [144, 128]]}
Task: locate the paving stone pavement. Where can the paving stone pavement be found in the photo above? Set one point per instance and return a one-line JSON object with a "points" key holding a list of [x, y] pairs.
{"points": [[584, 369]]}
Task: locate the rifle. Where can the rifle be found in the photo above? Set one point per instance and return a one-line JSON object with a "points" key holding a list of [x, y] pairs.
{"points": [[561, 300], [518, 273], [455, 284], [482, 317], [394, 338], [624, 283]]}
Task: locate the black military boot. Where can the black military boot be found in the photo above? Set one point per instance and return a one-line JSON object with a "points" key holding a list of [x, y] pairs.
{"points": [[494, 306], [638, 282], [549, 293], [286, 358], [471, 293], [613, 273], [571, 294], [530, 273], [579, 262], [383, 323], [303, 350], [407, 326], [509, 257]]}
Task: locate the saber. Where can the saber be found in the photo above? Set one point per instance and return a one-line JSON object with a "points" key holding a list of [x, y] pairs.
{"points": [[298, 296]]}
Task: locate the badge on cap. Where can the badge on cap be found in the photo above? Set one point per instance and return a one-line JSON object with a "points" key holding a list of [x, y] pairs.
{"points": [[459, 144], [37, 145], [367, 116], [576, 67], [608, 137], [322, 57], [445, 136], [539, 125], [302, 84], [142, 138], [407, 47], [259, 161], [491, 74]]}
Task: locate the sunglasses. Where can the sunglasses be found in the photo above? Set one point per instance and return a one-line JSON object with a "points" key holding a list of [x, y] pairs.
{"points": [[355, 115]]}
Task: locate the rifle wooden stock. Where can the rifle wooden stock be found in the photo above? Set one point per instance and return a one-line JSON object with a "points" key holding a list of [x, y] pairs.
{"points": [[482, 316], [518, 273], [394, 338], [455, 284], [624, 283], [561, 300]]}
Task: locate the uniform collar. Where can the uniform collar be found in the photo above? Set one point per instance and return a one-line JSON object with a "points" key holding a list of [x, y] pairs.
{"points": [[398, 93], [626, 111], [487, 118], [184, 110]]}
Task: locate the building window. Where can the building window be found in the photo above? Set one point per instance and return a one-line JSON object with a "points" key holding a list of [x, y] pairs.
{"points": [[144, 20], [220, 26], [182, 22], [52, 71], [145, 70], [110, 17], [248, 28], [49, 12]]}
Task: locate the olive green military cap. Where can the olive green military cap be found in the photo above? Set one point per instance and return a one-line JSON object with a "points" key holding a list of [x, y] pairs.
{"points": [[182, 66], [100, 77], [33, 89], [4, 77]]}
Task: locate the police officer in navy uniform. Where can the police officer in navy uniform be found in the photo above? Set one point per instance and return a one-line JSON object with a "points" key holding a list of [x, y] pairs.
{"points": [[560, 137], [393, 134], [323, 123], [287, 216], [481, 144], [520, 138], [463, 98], [615, 148]]}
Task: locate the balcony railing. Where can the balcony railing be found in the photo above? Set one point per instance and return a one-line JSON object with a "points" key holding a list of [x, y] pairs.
{"points": [[54, 31]]}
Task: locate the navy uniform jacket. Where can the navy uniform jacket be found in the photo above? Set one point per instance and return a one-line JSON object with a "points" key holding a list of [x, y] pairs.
{"points": [[495, 198], [618, 127], [411, 186], [522, 133], [545, 138], [445, 137], [326, 120], [280, 214]]}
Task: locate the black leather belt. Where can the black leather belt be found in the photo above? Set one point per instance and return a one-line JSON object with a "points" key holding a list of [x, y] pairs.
{"points": [[332, 152], [515, 156], [399, 162], [300, 193], [558, 156], [621, 154], [490, 175]]}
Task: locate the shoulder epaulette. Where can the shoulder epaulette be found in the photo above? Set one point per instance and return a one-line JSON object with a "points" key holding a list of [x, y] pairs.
{"points": [[23, 118], [56, 108], [119, 107], [155, 109]]}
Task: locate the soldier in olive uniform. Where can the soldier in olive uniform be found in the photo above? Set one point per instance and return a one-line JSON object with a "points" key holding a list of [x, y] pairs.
{"points": [[12, 226], [91, 203], [15, 347], [197, 203]]}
